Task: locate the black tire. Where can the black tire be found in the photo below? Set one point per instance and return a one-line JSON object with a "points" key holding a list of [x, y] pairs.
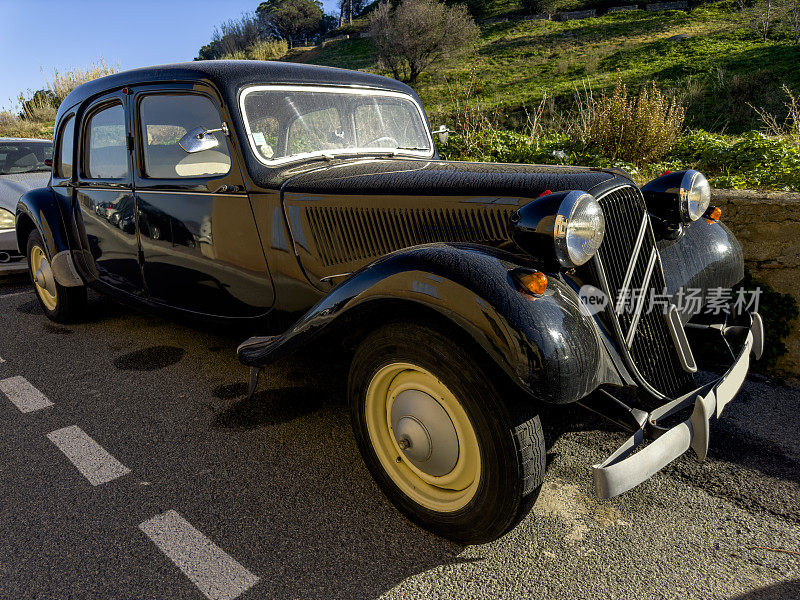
{"points": [[509, 434], [70, 302]]}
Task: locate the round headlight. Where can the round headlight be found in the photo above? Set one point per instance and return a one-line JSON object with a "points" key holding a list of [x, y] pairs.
{"points": [[579, 229], [6, 219], [695, 196]]}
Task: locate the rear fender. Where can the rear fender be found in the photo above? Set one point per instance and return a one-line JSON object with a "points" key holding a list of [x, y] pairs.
{"points": [[38, 209], [546, 344]]}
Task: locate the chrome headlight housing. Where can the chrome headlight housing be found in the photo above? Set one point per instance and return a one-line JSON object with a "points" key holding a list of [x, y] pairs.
{"points": [[678, 198], [695, 196], [579, 229], [7, 220]]}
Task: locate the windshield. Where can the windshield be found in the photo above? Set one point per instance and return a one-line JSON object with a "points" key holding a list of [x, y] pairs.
{"points": [[286, 123], [24, 156]]}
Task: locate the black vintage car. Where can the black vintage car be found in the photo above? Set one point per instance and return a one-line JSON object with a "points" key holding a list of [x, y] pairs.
{"points": [[311, 203]]}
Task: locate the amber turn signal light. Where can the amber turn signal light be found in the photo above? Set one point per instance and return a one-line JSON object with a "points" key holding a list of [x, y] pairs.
{"points": [[535, 283], [714, 213]]}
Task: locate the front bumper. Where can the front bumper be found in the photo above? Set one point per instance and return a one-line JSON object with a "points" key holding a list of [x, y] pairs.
{"points": [[625, 469], [11, 261]]}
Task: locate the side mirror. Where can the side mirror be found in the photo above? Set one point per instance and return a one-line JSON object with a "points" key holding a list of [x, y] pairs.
{"points": [[200, 138], [443, 133]]}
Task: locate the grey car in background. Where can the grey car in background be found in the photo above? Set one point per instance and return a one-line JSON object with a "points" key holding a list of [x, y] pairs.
{"points": [[24, 165]]}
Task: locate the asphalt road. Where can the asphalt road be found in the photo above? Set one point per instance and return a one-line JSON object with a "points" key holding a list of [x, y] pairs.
{"points": [[275, 501]]}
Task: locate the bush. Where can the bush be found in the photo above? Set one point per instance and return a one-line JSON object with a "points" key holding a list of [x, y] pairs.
{"points": [[638, 129], [753, 160], [12, 125], [65, 81], [263, 50]]}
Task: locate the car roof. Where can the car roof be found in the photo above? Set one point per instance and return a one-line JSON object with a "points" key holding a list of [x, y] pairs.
{"points": [[19, 139], [227, 74]]}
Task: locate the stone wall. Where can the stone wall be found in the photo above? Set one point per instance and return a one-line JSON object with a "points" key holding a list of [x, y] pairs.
{"points": [[660, 6], [768, 226], [575, 15]]}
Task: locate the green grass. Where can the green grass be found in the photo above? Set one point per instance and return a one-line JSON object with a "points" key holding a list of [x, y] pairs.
{"points": [[720, 68]]}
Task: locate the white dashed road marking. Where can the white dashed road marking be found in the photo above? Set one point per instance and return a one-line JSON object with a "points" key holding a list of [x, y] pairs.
{"points": [[210, 568], [22, 393], [89, 457]]}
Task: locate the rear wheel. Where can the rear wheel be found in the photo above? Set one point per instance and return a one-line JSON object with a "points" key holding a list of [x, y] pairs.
{"points": [[438, 438], [60, 304]]}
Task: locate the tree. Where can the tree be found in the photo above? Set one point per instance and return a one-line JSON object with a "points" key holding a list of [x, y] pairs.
{"points": [[419, 34], [762, 15], [348, 8], [232, 36], [791, 18], [290, 19]]}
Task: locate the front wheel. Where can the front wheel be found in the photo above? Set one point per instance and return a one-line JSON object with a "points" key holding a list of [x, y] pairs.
{"points": [[438, 438], [61, 304]]}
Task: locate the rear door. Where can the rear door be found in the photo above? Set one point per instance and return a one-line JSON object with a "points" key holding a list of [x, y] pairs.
{"points": [[104, 194], [200, 246]]}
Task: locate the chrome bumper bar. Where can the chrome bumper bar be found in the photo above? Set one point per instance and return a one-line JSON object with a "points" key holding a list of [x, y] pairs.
{"points": [[626, 468]]}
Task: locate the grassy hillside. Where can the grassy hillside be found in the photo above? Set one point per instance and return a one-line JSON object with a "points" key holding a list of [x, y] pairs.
{"points": [[715, 71]]}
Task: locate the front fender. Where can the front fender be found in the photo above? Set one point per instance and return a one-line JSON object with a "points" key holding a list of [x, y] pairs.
{"points": [[38, 209], [707, 255], [547, 344]]}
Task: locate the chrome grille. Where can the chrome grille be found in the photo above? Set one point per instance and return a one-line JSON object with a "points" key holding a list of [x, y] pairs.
{"points": [[343, 235], [629, 260]]}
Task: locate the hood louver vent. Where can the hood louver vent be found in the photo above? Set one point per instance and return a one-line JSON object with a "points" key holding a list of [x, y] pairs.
{"points": [[344, 235]]}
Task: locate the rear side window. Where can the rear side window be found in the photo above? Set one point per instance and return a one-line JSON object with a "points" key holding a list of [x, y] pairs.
{"points": [[107, 157], [165, 119], [64, 167]]}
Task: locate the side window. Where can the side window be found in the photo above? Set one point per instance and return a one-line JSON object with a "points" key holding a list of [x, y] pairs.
{"points": [[66, 143], [165, 119], [107, 156]]}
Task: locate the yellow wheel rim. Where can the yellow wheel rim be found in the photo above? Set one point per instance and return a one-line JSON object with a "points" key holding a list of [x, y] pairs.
{"points": [[40, 269], [452, 482]]}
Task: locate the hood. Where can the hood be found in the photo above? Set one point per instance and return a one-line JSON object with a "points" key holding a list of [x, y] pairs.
{"points": [[14, 185], [443, 178]]}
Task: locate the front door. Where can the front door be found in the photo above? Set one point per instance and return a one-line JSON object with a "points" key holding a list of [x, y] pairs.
{"points": [[200, 246], [104, 194]]}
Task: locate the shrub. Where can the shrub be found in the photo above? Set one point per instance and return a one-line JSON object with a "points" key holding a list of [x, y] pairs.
{"points": [[263, 50], [547, 7], [790, 126], [638, 129], [12, 125], [267, 50], [232, 36], [65, 81]]}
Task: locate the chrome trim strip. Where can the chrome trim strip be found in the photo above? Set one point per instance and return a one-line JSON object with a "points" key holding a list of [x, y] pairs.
{"points": [[329, 277], [189, 192], [618, 330], [680, 340], [149, 191], [651, 263], [623, 290]]}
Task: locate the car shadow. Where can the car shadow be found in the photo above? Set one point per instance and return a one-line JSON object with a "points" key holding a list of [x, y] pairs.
{"points": [[325, 529], [777, 591]]}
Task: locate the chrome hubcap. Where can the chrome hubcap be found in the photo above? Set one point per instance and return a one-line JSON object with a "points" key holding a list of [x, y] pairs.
{"points": [[424, 432]]}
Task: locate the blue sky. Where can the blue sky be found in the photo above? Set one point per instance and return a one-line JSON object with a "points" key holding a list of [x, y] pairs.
{"points": [[37, 36]]}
